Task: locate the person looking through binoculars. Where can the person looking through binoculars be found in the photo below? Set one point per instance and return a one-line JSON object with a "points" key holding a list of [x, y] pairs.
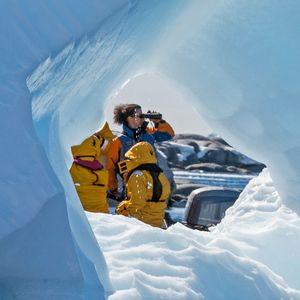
{"points": [[135, 129]]}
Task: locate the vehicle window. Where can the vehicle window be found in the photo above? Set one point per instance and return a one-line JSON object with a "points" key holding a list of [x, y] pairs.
{"points": [[213, 212]]}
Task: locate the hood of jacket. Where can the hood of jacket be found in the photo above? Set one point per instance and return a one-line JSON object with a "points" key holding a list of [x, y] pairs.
{"points": [[106, 134], [139, 154]]}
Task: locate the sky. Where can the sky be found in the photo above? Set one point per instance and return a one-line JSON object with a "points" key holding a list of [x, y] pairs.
{"points": [[154, 93]]}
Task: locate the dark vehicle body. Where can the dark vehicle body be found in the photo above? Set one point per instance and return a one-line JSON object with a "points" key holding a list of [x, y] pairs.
{"points": [[206, 206]]}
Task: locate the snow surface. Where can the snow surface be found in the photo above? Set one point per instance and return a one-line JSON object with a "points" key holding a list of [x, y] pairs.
{"points": [[235, 261], [184, 150], [236, 61]]}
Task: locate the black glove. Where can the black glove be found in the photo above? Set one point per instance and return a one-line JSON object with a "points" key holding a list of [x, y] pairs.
{"points": [[144, 126], [114, 196]]}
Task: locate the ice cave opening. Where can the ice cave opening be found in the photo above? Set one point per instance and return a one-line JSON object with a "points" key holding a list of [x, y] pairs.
{"points": [[237, 62]]}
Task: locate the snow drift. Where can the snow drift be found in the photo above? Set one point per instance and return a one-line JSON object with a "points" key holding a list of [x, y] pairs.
{"points": [[238, 259]]}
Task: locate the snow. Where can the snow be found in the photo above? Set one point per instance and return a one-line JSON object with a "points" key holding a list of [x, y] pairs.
{"points": [[202, 152], [237, 259], [236, 62], [184, 150], [266, 230]]}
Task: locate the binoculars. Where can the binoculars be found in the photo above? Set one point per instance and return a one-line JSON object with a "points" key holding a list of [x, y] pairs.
{"points": [[152, 115]]}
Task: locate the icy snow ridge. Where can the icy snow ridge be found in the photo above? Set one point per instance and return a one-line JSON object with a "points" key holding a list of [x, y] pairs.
{"points": [[233, 261]]}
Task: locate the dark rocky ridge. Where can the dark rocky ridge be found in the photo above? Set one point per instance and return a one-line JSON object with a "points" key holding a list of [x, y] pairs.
{"points": [[194, 152]]}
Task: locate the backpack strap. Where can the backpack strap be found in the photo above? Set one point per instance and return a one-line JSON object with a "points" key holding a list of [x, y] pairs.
{"points": [[154, 171], [157, 187]]}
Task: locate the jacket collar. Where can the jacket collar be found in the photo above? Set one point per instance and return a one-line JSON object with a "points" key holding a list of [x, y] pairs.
{"points": [[133, 133]]}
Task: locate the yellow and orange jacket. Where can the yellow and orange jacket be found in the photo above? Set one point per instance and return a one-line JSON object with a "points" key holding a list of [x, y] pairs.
{"points": [[146, 194], [121, 144], [88, 170]]}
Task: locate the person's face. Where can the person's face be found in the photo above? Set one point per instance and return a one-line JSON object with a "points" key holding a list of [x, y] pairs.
{"points": [[135, 121]]}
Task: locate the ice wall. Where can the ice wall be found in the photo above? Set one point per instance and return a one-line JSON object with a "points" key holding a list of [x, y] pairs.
{"points": [[47, 249], [239, 64]]}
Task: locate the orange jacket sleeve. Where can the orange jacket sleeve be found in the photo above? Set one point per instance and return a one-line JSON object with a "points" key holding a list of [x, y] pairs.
{"points": [[162, 131], [111, 164], [166, 127]]}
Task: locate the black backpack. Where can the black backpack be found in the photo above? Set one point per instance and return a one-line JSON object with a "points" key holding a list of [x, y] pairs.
{"points": [[154, 171]]}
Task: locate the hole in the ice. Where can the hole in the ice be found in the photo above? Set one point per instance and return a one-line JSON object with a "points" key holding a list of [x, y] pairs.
{"points": [[207, 174], [196, 160], [67, 108]]}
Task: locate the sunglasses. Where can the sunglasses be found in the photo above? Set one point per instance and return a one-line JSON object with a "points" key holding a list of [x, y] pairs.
{"points": [[137, 116]]}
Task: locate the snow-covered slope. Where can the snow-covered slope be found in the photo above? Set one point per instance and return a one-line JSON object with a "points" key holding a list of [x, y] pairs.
{"points": [[248, 256], [236, 61]]}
